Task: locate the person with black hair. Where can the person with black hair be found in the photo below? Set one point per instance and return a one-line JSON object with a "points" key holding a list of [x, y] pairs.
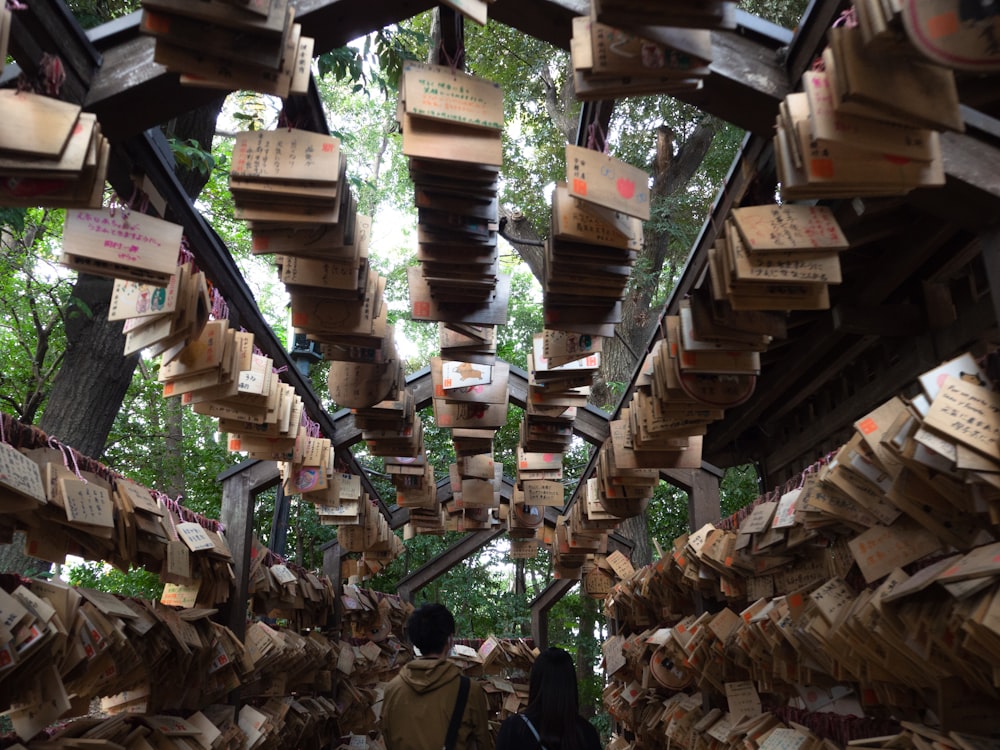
{"points": [[430, 705], [551, 720]]}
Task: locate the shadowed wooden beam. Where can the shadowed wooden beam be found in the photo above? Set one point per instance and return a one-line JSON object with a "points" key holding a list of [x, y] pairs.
{"points": [[447, 560], [541, 605], [240, 487]]}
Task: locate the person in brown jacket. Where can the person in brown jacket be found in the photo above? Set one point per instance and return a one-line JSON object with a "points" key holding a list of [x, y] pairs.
{"points": [[419, 702]]}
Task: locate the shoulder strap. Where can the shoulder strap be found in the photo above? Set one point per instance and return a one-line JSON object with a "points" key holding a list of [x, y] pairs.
{"points": [[533, 730], [456, 715]]}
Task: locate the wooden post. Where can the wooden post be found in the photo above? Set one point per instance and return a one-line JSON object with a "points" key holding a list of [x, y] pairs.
{"points": [[990, 241], [704, 501], [540, 609], [240, 487]]}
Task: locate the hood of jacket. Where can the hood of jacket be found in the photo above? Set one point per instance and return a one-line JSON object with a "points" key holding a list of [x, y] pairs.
{"points": [[427, 675]]}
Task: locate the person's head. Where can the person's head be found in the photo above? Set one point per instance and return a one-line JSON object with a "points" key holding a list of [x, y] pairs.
{"points": [[552, 684], [429, 628]]}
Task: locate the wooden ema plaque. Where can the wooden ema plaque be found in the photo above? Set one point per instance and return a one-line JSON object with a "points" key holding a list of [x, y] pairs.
{"points": [[956, 34], [438, 92], [607, 181]]}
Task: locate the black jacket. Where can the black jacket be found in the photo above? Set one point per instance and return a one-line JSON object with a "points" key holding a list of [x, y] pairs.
{"points": [[515, 735]]}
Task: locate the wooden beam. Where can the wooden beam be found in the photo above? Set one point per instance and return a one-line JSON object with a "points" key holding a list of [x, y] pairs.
{"points": [[49, 27], [904, 319], [810, 36], [704, 500], [442, 563], [990, 241], [541, 605], [240, 487]]}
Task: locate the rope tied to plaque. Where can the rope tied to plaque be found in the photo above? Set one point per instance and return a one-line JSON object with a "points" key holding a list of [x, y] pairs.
{"points": [[455, 63], [597, 139], [67, 454], [312, 428], [220, 308]]}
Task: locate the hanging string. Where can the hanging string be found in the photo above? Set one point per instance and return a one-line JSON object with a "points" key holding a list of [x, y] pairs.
{"points": [[220, 309], [184, 254], [597, 139], [451, 62], [67, 454], [847, 18], [312, 428]]}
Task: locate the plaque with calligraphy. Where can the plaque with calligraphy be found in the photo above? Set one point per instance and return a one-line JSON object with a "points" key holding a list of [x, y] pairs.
{"points": [[194, 536], [442, 93], [87, 503], [21, 479], [789, 226], [969, 413]]}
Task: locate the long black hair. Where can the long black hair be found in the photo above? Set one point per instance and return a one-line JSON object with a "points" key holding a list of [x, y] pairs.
{"points": [[553, 700]]}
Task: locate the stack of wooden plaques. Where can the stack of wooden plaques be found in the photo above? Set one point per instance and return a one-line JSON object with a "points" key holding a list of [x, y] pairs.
{"points": [[556, 391], [866, 125], [162, 319], [464, 342], [289, 179], [608, 60], [313, 472], [291, 186], [368, 531], [830, 575], [251, 45], [392, 427], [413, 478], [86, 514], [698, 14], [776, 258], [475, 484], [220, 374], [470, 396], [596, 232], [51, 153], [539, 485], [451, 125]]}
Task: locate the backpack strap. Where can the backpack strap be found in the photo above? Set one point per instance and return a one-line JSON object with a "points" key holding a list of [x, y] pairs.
{"points": [[533, 730], [456, 715]]}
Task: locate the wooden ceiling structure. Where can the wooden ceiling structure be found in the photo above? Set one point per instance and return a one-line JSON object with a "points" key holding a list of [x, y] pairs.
{"points": [[921, 279]]}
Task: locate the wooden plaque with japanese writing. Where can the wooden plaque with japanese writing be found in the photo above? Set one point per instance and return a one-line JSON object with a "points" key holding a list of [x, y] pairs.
{"points": [[789, 227], [441, 93], [130, 239]]}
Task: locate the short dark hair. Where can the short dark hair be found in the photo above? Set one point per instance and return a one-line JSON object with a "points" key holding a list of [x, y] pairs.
{"points": [[429, 628]]}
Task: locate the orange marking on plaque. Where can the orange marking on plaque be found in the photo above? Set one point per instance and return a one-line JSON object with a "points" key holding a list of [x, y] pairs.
{"points": [[945, 24]]}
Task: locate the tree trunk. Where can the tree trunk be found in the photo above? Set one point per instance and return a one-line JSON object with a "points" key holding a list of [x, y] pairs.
{"points": [[87, 391], [173, 459]]}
